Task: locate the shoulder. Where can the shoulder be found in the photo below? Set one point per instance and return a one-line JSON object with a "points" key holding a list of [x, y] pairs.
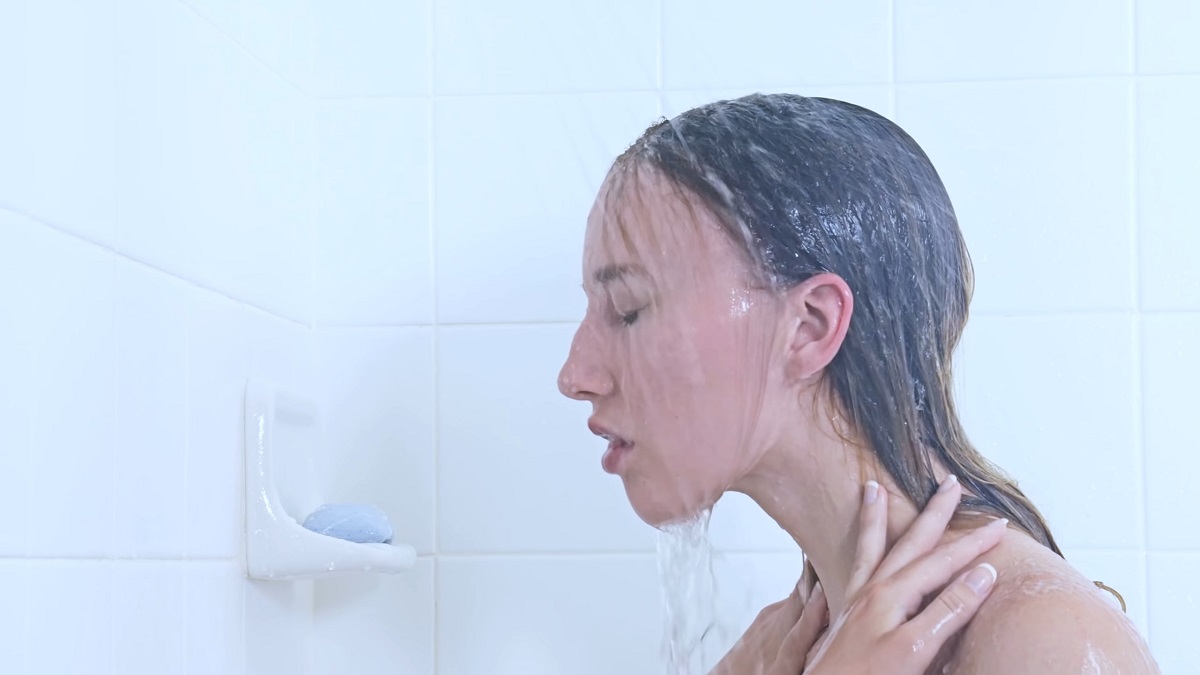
{"points": [[1043, 617]]}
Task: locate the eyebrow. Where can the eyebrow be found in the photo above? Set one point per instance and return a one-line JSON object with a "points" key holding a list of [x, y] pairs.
{"points": [[610, 273]]}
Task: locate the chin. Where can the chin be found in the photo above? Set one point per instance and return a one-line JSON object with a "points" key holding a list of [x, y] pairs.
{"points": [[658, 512]]}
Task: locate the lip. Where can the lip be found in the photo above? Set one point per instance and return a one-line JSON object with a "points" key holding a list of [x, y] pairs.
{"points": [[618, 449]]}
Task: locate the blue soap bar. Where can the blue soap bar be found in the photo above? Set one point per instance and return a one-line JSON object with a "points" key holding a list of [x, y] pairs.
{"points": [[359, 523]]}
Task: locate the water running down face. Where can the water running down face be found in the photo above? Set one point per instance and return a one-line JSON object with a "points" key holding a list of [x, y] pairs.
{"points": [[675, 350]]}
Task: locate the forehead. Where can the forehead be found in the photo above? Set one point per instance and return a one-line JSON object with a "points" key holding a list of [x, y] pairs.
{"points": [[641, 219]]}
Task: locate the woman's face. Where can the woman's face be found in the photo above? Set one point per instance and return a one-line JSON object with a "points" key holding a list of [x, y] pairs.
{"points": [[673, 352]]}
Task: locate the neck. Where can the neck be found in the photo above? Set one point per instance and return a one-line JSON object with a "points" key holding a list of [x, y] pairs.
{"points": [[812, 487]]}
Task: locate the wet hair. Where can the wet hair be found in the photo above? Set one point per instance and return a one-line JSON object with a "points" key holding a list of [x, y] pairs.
{"points": [[811, 185]]}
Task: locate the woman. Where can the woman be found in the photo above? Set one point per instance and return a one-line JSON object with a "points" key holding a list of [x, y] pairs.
{"points": [[776, 285]]}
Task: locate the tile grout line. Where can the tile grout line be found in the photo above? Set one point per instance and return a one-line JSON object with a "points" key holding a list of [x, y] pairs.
{"points": [[255, 57], [121, 255], [431, 222], [1138, 337]]}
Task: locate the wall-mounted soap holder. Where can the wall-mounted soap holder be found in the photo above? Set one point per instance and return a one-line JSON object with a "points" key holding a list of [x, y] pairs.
{"points": [[281, 433]]}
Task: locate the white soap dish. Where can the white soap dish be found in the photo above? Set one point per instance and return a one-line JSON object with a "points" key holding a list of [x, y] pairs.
{"points": [[281, 432]]}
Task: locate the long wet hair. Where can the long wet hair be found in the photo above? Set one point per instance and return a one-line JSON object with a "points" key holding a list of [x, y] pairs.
{"points": [[811, 185]]}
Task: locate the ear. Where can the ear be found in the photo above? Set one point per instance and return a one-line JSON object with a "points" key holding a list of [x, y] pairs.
{"points": [[819, 312]]}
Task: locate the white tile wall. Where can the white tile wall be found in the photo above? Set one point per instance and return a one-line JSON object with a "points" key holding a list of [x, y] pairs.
{"points": [[76, 598], [148, 599], [518, 471], [215, 192], [1170, 371], [373, 255], [763, 43], [375, 388], [1034, 169], [375, 625], [14, 623], [384, 203], [1168, 142], [1022, 39], [543, 46], [370, 49], [590, 615], [514, 180], [1052, 400], [151, 412], [1174, 602], [871, 96], [277, 32], [1166, 32]]}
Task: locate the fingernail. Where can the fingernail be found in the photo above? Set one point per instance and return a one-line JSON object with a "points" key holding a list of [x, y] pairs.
{"points": [[871, 492], [948, 483], [981, 578]]}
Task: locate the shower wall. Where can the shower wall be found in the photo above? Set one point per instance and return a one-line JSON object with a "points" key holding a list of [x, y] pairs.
{"points": [[383, 203]]}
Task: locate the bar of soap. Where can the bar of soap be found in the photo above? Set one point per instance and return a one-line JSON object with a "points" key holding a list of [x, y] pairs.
{"points": [[359, 523]]}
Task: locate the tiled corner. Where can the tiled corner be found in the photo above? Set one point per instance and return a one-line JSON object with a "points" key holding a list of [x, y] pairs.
{"points": [[148, 617], [370, 49], [151, 412], [375, 624], [377, 407], [516, 178], [1166, 37], [1124, 572], [1033, 169], [373, 255], [1051, 400], [214, 173], [1168, 160], [873, 97], [213, 612], [72, 115], [543, 46], [1170, 370], [1174, 604], [518, 471], [537, 616], [279, 32], [1020, 39], [217, 369], [74, 598], [706, 44]]}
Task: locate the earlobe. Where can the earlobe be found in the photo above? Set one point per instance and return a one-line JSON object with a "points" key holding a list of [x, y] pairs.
{"points": [[819, 313]]}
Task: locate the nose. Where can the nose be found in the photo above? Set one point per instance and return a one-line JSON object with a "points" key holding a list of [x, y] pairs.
{"points": [[583, 376]]}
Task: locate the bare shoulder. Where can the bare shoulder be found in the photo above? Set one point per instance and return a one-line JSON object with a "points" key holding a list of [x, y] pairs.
{"points": [[1044, 617]]}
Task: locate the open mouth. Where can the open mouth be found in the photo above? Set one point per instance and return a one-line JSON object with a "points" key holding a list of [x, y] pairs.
{"points": [[618, 449]]}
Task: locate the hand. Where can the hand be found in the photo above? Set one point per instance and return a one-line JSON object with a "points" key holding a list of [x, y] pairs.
{"points": [[884, 629]]}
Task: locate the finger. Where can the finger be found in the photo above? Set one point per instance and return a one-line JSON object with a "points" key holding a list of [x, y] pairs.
{"points": [[800, 639], [939, 566], [926, 531], [948, 613], [872, 537]]}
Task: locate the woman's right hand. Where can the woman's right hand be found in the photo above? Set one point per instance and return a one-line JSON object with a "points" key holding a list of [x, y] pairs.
{"points": [[884, 628]]}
